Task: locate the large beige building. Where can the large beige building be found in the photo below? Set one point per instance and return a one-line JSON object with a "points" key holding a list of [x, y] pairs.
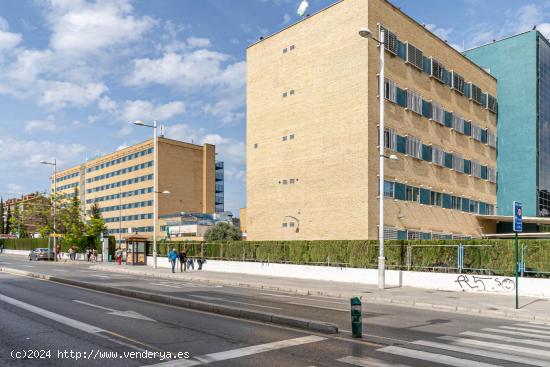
{"points": [[312, 131], [121, 183]]}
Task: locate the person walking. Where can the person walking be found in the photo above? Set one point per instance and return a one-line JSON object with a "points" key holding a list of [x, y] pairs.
{"points": [[118, 256], [172, 257], [183, 261], [71, 253], [88, 254], [191, 263], [94, 255], [58, 252]]}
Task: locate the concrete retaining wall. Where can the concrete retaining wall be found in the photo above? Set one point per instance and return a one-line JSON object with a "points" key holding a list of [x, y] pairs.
{"points": [[440, 281]]}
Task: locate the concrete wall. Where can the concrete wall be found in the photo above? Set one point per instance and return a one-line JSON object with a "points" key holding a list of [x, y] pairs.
{"points": [[449, 282], [513, 61]]}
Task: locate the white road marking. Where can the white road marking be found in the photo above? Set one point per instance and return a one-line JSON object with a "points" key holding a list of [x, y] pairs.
{"points": [[99, 276], [526, 330], [367, 362], [5, 263], [167, 285], [434, 357], [484, 353], [304, 298], [534, 326], [184, 285], [242, 352], [506, 347], [230, 301], [506, 338], [28, 266], [62, 270], [130, 314], [517, 333]]}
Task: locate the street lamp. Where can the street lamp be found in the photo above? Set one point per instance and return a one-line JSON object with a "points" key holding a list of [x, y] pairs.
{"points": [[367, 33], [155, 192], [54, 164]]}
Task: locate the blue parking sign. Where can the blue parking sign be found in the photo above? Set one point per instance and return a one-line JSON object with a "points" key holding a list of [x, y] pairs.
{"points": [[518, 217]]}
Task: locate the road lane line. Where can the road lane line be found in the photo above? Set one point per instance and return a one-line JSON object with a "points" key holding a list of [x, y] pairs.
{"points": [[506, 339], [169, 286], [237, 302], [434, 357], [99, 276], [506, 347], [242, 352], [28, 266], [62, 270], [314, 306], [544, 332], [304, 298], [367, 362], [484, 353]]}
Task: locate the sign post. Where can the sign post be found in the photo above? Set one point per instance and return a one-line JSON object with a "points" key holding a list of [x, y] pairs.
{"points": [[518, 227]]}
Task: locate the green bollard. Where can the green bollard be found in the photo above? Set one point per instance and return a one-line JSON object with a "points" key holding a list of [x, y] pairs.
{"points": [[356, 322]]}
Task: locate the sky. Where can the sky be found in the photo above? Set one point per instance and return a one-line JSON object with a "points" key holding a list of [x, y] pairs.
{"points": [[74, 74]]}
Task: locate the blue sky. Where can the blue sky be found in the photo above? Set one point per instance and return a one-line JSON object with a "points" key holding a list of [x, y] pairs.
{"points": [[73, 74]]}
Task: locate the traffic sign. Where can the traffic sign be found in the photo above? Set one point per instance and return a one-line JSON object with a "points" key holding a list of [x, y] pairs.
{"points": [[518, 217]]}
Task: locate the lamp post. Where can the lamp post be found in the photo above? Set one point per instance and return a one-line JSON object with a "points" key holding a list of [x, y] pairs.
{"points": [[54, 164], [366, 33], [155, 192]]}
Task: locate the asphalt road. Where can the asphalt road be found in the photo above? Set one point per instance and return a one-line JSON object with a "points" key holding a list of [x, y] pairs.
{"points": [[392, 335]]}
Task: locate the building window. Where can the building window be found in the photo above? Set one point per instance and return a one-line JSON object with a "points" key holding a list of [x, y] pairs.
{"points": [[284, 138], [475, 132], [414, 235], [284, 94], [438, 156], [389, 189], [414, 147], [390, 39], [291, 136], [474, 206], [255, 145], [438, 113], [458, 163], [414, 56], [291, 181], [457, 82], [456, 202], [291, 92], [285, 182], [436, 198], [458, 124], [491, 174], [390, 90], [491, 139], [292, 47], [390, 139], [438, 71], [285, 225], [491, 103], [475, 169], [414, 101], [285, 50], [412, 194], [291, 224], [391, 233], [476, 94]]}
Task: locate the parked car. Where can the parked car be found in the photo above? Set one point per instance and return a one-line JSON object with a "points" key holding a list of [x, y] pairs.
{"points": [[41, 254]]}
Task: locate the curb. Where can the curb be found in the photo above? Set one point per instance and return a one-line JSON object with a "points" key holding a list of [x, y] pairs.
{"points": [[509, 315], [295, 322]]}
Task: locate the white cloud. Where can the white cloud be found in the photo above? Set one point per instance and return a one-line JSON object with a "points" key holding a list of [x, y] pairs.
{"points": [[183, 132], [194, 42], [58, 95], [86, 27], [228, 149], [145, 110], [232, 174], [8, 39], [15, 189], [28, 153], [40, 125], [286, 19]]}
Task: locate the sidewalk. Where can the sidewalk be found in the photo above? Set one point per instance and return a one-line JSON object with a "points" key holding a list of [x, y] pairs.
{"points": [[500, 306]]}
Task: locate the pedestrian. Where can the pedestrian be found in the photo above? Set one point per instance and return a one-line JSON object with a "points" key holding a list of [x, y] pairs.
{"points": [[172, 257], [191, 263], [201, 262], [118, 256], [1, 248], [183, 261], [88, 254], [94, 255], [71, 253], [58, 252]]}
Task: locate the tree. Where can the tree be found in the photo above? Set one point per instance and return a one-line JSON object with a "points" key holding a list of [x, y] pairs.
{"points": [[2, 225], [96, 226], [223, 232], [8, 220], [17, 223], [71, 221]]}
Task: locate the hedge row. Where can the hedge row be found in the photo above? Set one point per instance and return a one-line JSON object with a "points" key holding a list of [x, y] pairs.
{"points": [[485, 256], [31, 243]]}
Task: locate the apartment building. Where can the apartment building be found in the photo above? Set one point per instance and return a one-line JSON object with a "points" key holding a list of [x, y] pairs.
{"points": [[121, 183], [522, 66], [312, 131]]}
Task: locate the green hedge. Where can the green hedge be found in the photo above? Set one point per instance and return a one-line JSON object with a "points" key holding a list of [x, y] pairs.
{"points": [[31, 243]]}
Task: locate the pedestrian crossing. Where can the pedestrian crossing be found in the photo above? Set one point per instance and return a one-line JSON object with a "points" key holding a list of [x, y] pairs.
{"points": [[525, 344]]}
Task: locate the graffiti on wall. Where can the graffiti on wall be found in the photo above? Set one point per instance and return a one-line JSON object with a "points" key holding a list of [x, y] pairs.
{"points": [[485, 283]]}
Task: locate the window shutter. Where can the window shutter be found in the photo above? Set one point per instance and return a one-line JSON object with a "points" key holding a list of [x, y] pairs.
{"points": [[467, 166], [401, 144], [390, 39], [426, 236], [476, 94], [484, 136], [465, 205], [400, 191], [401, 97], [457, 82], [467, 128], [448, 119], [426, 109], [448, 160], [438, 71], [491, 103], [482, 208], [484, 172], [426, 153], [448, 78], [401, 235], [424, 196], [414, 56], [447, 201]]}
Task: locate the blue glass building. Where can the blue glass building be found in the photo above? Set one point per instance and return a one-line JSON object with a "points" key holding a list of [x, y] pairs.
{"points": [[521, 65]]}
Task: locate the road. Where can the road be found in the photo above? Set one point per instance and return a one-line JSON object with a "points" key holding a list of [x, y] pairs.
{"points": [[393, 335]]}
